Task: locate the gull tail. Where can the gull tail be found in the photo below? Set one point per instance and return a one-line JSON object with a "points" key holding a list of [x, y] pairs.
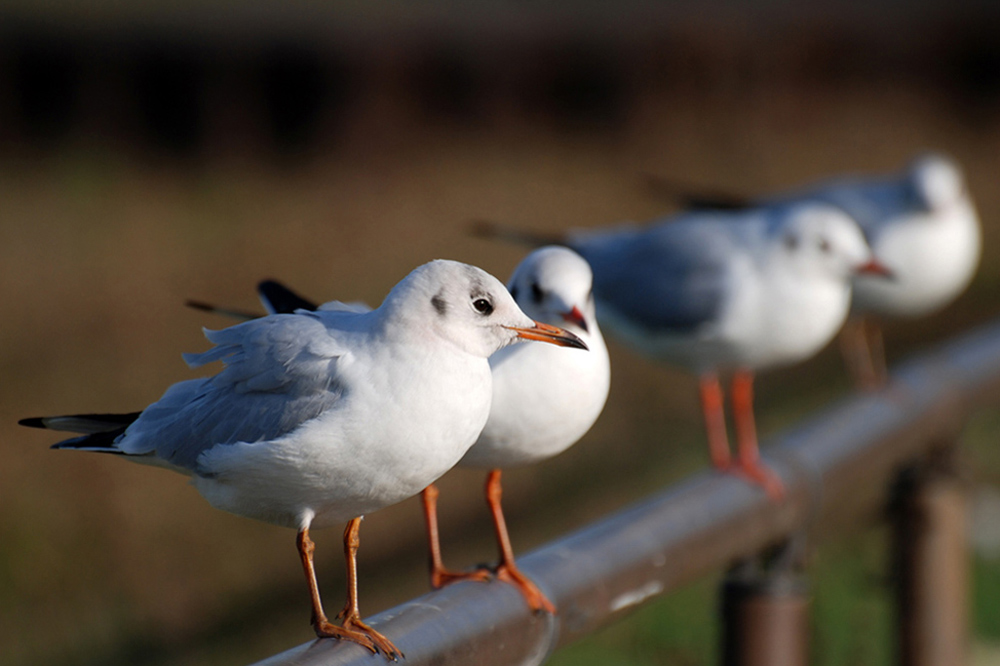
{"points": [[493, 229], [279, 299], [693, 197], [98, 431]]}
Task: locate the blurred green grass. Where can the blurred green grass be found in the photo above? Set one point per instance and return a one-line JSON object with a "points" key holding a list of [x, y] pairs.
{"points": [[107, 563]]}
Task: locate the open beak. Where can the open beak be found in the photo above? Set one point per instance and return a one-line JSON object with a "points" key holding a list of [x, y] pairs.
{"points": [[551, 334], [874, 267], [574, 316]]}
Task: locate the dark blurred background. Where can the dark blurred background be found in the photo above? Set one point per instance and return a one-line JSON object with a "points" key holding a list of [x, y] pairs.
{"points": [[150, 154]]}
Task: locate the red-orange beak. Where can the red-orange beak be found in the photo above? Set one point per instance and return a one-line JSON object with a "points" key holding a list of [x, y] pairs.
{"points": [[874, 267], [551, 334], [574, 316]]}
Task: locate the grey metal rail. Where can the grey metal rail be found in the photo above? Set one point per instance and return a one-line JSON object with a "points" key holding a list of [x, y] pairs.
{"points": [[835, 466]]}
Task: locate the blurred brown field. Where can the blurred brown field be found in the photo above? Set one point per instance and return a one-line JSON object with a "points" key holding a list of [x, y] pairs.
{"points": [[105, 562]]}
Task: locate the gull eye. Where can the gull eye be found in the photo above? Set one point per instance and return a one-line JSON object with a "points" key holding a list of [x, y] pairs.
{"points": [[824, 246], [536, 292], [482, 306]]}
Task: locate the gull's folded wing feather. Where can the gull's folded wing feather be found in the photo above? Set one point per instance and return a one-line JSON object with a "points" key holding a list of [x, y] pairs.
{"points": [[280, 371], [671, 276]]}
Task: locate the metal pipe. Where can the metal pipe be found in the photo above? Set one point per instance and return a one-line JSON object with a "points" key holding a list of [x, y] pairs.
{"points": [[765, 610], [835, 466], [932, 576]]}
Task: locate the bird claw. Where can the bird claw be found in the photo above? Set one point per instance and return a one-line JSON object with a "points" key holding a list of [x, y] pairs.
{"points": [[536, 599], [356, 631], [442, 577], [759, 474]]}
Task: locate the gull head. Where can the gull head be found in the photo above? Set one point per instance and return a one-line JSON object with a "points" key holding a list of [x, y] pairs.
{"points": [[821, 241], [554, 285], [937, 182], [465, 306]]}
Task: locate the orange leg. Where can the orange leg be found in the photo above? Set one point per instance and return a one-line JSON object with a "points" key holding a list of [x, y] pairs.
{"points": [[352, 628], [864, 355], [439, 575], [507, 570], [876, 347], [748, 459], [715, 420]]}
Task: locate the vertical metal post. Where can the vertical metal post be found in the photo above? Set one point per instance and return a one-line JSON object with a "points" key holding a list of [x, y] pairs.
{"points": [[932, 565], [765, 613]]}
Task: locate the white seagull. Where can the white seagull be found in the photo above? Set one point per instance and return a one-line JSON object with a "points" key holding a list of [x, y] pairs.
{"points": [[322, 417], [727, 292], [543, 403], [921, 223]]}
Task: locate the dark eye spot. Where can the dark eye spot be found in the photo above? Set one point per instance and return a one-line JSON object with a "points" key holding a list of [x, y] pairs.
{"points": [[439, 304], [825, 246], [482, 306], [536, 292], [791, 241]]}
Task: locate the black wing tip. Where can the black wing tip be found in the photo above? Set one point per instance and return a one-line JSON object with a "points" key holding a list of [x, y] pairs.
{"points": [[270, 283], [33, 422], [98, 442], [199, 305], [282, 299], [692, 197], [486, 228]]}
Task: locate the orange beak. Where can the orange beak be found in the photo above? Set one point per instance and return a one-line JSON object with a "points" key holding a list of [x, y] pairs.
{"points": [[574, 316], [874, 267], [551, 334]]}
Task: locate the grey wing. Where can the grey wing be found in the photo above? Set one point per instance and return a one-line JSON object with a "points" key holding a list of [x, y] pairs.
{"points": [[669, 277], [356, 307], [870, 201], [280, 371]]}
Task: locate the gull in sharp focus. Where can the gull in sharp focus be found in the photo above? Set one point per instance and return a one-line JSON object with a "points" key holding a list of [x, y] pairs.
{"points": [[727, 292], [321, 417], [542, 403]]}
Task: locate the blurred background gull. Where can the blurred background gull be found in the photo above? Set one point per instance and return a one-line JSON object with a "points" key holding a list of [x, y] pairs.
{"points": [[154, 153]]}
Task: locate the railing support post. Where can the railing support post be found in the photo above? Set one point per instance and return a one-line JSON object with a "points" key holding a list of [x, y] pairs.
{"points": [[765, 612], [932, 565]]}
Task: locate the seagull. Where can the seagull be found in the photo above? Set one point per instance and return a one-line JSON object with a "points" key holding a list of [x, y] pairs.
{"points": [[543, 403], [921, 222], [923, 225], [726, 292], [322, 417]]}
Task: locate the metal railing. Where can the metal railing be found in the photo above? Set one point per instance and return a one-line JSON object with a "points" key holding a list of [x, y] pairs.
{"points": [[859, 455]]}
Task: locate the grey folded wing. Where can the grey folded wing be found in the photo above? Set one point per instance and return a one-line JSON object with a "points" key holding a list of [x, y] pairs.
{"points": [[280, 371], [871, 202], [670, 277]]}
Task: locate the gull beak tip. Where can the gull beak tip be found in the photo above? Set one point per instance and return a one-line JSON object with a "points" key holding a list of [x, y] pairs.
{"points": [[551, 334], [876, 268]]}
